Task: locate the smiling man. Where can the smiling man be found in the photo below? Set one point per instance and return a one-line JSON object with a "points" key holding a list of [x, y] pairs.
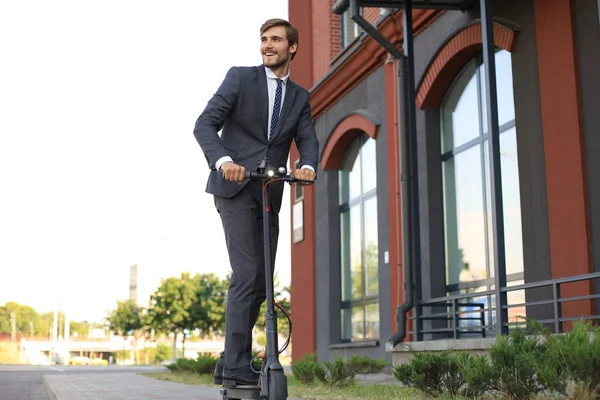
{"points": [[259, 112]]}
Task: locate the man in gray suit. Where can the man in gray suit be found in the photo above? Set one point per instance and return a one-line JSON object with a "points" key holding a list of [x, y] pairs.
{"points": [[259, 112]]}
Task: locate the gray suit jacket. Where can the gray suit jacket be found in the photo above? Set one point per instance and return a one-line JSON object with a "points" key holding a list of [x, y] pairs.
{"points": [[239, 109]]}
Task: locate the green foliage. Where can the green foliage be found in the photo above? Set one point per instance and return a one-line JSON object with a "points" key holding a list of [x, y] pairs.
{"points": [[578, 355], [364, 365], [173, 305], [339, 373], [31, 323], [211, 294], [203, 365], [160, 353], [524, 366], [519, 366], [282, 297], [25, 318], [126, 318], [477, 372], [305, 369], [433, 374], [188, 303]]}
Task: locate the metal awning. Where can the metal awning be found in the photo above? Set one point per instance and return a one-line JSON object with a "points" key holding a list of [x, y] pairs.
{"points": [[431, 4]]}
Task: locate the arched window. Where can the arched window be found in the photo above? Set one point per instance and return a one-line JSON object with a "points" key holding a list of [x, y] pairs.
{"points": [[466, 183], [359, 242]]}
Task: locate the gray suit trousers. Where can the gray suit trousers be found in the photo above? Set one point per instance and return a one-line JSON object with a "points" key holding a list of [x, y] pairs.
{"points": [[242, 219]]}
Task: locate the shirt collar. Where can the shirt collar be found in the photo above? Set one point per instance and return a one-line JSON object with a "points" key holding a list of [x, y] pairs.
{"points": [[271, 75]]}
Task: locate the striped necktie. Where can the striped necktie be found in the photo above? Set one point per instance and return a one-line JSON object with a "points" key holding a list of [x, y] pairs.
{"points": [[276, 108]]}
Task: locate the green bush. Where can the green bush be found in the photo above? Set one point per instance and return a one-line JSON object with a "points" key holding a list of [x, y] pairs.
{"points": [[524, 366], [205, 364], [433, 374], [305, 369], [519, 367], [364, 365], [338, 373], [477, 372], [577, 352], [183, 364], [160, 353]]}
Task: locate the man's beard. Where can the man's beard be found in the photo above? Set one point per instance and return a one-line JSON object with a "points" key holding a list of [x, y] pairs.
{"points": [[279, 63]]}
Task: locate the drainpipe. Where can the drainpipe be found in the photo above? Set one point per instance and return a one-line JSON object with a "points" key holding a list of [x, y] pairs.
{"points": [[407, 153]]}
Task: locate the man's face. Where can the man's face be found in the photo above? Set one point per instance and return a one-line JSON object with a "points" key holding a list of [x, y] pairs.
{"points": [[274, 47]]}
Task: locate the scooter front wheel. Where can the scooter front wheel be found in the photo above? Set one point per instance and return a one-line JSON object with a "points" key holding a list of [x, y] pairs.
{"points": [[277, 385]]}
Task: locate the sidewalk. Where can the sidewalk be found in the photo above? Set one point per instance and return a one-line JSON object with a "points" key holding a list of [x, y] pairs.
{"points": [[132, 386], [122, 386]]}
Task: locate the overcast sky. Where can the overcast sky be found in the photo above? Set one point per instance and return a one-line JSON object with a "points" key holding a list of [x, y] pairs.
{"points": [[99, 168]]}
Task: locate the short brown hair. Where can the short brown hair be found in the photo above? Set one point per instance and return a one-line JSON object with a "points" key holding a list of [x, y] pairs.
{"points": [[290, 30]]}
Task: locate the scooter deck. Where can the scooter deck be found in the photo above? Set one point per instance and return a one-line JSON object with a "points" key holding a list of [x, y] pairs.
{"points": [[241, 392]]}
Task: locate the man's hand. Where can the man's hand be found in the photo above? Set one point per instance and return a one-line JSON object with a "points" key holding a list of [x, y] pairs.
{"points": [[305, 174], [233, 172]]}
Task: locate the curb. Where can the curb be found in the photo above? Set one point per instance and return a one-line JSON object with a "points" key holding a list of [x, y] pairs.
{"points": [[51, 393]]}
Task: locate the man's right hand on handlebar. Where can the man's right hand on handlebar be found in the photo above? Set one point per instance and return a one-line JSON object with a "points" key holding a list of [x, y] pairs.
{"points": [[233, 172]]}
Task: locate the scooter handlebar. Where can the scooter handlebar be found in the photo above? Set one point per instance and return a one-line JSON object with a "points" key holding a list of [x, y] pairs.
{"points": [[268, 174]]}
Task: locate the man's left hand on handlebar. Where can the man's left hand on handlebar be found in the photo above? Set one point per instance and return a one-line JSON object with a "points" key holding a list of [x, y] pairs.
{"points": [[305, 174]]}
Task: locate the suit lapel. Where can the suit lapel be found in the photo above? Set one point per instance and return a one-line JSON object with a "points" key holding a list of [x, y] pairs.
{"points": [[263, 98], [290, 94]]}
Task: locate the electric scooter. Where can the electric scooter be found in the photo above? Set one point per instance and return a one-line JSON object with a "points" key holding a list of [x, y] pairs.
{"points": [[272, 383]]}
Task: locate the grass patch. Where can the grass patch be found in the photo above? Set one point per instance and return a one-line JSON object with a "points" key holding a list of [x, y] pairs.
{"points": [[354, 391], [318, 391], [188, 378]]}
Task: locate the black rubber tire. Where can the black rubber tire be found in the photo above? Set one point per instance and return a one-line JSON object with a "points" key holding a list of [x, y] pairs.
{"points": [[278, 386]]}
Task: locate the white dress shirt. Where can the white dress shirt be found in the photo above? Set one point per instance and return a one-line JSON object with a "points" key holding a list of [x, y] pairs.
{"points": [[271, 88]]}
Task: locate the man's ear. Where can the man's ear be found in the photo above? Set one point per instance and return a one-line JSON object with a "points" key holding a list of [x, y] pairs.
{"points": [[293, 48]]}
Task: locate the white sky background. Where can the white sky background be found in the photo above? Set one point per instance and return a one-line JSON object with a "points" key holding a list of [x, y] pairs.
{"points": [[99, 168]]}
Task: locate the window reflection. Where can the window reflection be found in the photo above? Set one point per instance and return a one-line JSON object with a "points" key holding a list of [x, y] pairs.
{"points": [[466, 180], [458, 123], [359, 241], [371, 248], [465, 218]]}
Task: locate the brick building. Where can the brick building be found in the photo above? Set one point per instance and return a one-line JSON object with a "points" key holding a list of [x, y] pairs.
{"points": [[347, 274]]}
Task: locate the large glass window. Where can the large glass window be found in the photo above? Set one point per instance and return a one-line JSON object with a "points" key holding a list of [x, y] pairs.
{"points": [[359, 245], [467, 193]]}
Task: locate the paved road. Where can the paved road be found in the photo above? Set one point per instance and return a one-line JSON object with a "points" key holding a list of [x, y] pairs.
{"points": [[27, 382], [23, 385], [123, 386], [95, 383]]}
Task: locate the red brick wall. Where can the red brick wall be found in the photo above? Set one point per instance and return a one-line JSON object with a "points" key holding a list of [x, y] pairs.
{"points": [[324, 25], [326, 31], [371, 14], [336, 34]]}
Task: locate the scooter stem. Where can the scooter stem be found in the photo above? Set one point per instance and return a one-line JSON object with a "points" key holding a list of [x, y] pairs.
{"points": [[272, 348]]}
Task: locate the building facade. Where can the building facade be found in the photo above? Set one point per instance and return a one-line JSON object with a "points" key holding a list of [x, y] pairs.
{"points": [[347, 273]]}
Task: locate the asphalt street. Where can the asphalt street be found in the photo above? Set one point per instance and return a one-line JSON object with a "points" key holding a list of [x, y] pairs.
{"points": [[22, 385], [25, 382]]}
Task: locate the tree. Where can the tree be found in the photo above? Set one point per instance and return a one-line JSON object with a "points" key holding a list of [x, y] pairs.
{"points": [[26, 319], [282, 297], [79, 329], [126, 318], [30, 323], [211, 297], [173, 306]]}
